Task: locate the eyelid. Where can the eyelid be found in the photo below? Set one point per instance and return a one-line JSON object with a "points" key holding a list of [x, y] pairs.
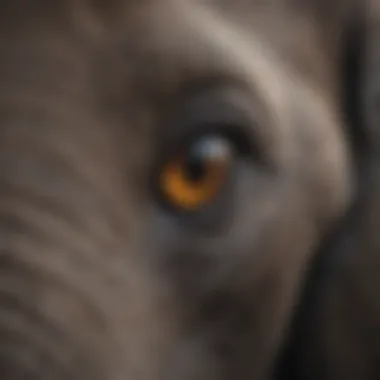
{"points": [[229, 111]]}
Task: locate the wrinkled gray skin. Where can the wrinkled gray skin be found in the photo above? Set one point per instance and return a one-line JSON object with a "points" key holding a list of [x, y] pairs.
{"points": [[97, 281]]}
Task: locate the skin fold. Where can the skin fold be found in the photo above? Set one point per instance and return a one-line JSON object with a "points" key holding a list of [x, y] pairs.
{"points": [[97, 280], [336, 329], [337, 338]]}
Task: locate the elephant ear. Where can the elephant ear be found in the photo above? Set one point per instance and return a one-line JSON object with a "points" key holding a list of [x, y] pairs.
{"points": [[371, 76]]}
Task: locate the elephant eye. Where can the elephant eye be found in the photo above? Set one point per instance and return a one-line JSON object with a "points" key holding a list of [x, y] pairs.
{"points": [[194, 175], [206, 147]]}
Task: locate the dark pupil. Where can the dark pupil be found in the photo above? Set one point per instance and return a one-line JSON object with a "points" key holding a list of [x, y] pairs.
{"points": [[195, 168]]}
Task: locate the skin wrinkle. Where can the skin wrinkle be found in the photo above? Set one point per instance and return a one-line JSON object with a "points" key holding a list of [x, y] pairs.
{"points": [[131, 291]]}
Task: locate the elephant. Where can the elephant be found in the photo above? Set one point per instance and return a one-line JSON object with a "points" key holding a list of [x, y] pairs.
{"points": [[123, 255]]}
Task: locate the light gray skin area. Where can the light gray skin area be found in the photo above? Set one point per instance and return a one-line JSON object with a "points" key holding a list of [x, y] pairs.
{"points": [[339, 337], [97, 280]]}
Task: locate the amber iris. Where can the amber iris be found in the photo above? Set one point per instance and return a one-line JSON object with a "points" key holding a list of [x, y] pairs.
{"points": [[193, 177]]}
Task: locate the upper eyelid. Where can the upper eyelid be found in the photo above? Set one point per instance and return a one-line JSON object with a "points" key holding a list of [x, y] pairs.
{"points": [[223, 106]]}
